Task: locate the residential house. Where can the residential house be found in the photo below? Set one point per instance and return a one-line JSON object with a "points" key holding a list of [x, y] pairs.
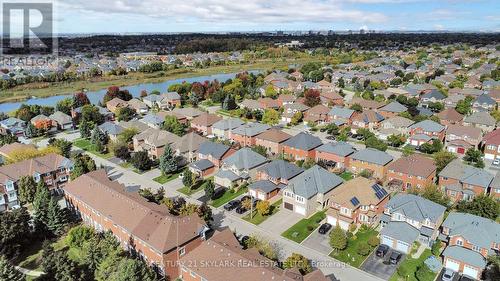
{"points": [[53, 169], [272, 140], [14, 126], [153, 141], [7, 150], [366, 104], [470, 240], [491, 145], [250, 104], [424, 131], [140, 107], [187, 147], [167, 100], [212, 152], [452, 100], [115, 104], [414, 171], [245, 135], [432, 96], [223, 248], [43, 122], [239, 167], [62, 120], [335, 155], [291, 109], [203, 123], [463, 182], [341, 113], [392, 109], [482, 120], [394, 126], [180, 117], [301, 146], [371, 160], [356, 202], [310, 191], [153, 120], [222, 128], [272, 178], [146, 228], [368, 119], [449, 116], [268, 103], [285, 99], [495, 187], [317, 114], [408, 218], [331, 97], [189, 112], [111, 129], [483, 103], [460, 138]]}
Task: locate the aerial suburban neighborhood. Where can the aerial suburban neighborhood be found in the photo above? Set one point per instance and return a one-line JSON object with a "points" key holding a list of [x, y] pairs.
{"points": [[293, 156]]}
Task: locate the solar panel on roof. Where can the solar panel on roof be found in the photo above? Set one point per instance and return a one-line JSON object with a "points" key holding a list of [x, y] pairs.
{"points": [[376, 187], [354, 201], [381, 193]]}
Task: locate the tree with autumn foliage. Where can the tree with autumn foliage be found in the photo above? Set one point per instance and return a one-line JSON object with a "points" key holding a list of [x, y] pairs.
{"points": [[311, 97], [115, 92], [80, 99]]}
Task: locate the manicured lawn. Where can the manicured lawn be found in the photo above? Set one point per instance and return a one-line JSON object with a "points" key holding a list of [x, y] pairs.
{"points": [[346, 175], [299, 231], [200, 185], [87, 146], [410, 266], [258, 219], [350, 255], [227, 196], [166, 178]]}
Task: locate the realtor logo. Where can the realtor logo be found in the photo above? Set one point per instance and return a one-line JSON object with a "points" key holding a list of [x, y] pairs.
{"points": [[27, 28]]}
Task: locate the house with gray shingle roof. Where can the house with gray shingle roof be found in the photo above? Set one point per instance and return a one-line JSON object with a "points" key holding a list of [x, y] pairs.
{"points": [[153, 120], [14, 126], [341, 113], [483, 103], [372, 160], [111, 129], [425, 131], [63, 121], [214, 152], [239, 167], [416, 218], [301, 146], [392, 109], [308, 192], [463, 182], [470, 240], [272, 178], [482, 120], [334, 154], [222, 128], [245, 134]]}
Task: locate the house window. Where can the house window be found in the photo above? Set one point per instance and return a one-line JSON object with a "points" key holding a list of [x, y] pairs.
{"points": [[299, 199], [460, 242], [182, 251], [476, 248]]}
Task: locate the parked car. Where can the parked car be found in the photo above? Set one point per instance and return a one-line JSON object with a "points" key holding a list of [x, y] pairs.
{"points": [[466, 278], [360, 137], [241, 210], [243, 240], [246, 197], [231, 205], [395, 257], [448, 275], [496, 162], [324, 228], [382, 250], [330, 137]]}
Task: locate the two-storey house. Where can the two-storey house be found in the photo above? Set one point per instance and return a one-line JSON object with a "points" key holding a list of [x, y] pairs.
{"points": [[272, 178]]}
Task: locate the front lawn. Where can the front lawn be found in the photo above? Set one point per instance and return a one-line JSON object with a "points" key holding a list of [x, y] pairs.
{"points": [[350, 254], [87, 146], [410, 266], [299, 231], [168, 177], [346, 175], [228, 196], [258, 218], [186, 190]]}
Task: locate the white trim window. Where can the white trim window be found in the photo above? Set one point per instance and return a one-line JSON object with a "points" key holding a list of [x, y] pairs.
{"points": [[460, 242]]}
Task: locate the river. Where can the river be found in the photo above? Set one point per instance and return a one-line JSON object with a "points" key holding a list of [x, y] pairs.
{"points": [[135, 90]]}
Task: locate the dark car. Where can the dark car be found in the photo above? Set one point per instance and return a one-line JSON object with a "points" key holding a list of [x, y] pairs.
{"points": [[330, 137], [241, 210], [354, 136], [382, 250], [466, 278], [323, 229], [244, 240], [360, 137], [395, 257], [246, 197], [232, 205]]}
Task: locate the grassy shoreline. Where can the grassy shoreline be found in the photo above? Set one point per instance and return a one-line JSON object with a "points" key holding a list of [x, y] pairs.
{"points": [[23, 92]]}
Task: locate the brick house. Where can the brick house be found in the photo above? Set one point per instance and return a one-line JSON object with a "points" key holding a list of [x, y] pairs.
{"points": [[450, 116], [143, 228], [203, 123], [427, 128], [153, 141], [355, 202], [52, 168], [463, 182], [491, 145], [115, 104], [368, 119], [272, 140], [239, 167], [460, 138], [245, 135], [222, 128], [43, 122], [470, 240], [272, 178], [330, 97], [372, 160], [212, 152], [414, 171], [301, 146], [341, 113], [317, 114], [392, 109], [334, 155]]}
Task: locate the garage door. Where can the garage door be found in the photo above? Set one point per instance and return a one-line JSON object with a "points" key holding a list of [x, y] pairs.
{"points": [[331, 220], [452, 265], [470, 271], [402, 246], [261, 195], [387, 241], [301, 210], [252, 192], [288, 206]]}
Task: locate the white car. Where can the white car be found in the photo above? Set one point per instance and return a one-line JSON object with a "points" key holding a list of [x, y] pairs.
{"points": [[496, 162], [448, 275]]}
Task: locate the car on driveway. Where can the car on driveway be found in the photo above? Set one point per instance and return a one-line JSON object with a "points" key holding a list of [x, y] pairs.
{"points": [[324, 228], [466, 278], [496, 162], [395, 257], [231, 205], [330, 137], [382, 250], [448, 275], [241, 210]]}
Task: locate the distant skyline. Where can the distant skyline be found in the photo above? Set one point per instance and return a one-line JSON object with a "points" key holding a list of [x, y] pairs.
{"points": [[150, 16]]}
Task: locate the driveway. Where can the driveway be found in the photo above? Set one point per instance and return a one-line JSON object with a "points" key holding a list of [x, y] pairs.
{"points": [[281, 221], [318, 242], [440, 275], [151, 174], [380, 266]]}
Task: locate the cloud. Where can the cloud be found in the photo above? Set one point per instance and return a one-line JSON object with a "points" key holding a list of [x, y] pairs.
{"points": [[235, 11]]}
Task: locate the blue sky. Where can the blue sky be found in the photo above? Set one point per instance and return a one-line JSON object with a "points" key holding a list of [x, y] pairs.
{"points": [[104, 16]]}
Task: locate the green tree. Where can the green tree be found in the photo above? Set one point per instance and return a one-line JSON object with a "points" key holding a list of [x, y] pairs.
{"points": [[209, 190], [433, 193], [121, 150], [464, 106], [299, 262], [271, 117], [99, 139], [86, 129], [356, 107], [125, 114], [443, 158], [8, 272], [15, 232], [132, 270], [91, 113], [474, 157], [78, 235], [363, 249], [296, 118], [65, 105], [187, 179], [41, 206], [168, 161], [482, 205], [374, 142], [173, 125], [396, 140], [229, 103], [63, 145], [260, 150], [338, 238], [82, 165], [270, 92], [127, 135], [205, 213], [26, 189], [263, 208], [56, 218], [141, 161]]}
